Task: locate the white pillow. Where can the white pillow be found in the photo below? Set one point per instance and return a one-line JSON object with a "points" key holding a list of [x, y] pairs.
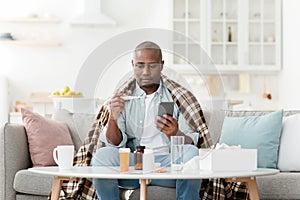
{"points": [[289, 149]]}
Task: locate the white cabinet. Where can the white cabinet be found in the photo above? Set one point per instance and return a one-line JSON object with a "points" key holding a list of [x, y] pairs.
{"points": [[188, 19], [238, 35], [223, 28], [15, 118], [77, 105], [264, 39]]}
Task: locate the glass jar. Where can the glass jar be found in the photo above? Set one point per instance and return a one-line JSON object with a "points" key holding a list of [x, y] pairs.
{"points": [[138, 157]]}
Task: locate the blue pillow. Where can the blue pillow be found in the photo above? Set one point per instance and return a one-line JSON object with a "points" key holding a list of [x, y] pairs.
{"points": [[260, 132]]}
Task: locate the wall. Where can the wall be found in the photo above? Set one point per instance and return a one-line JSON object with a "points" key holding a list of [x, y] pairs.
{"points": [[289, 78], [41, 68], [3, 100], [33, 68]]}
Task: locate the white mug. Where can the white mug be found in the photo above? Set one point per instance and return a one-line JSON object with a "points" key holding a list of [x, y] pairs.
{"points": [[63, 155]]}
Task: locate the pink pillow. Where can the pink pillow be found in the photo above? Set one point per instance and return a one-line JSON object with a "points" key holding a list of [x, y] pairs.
{"points": [[43, 136]]}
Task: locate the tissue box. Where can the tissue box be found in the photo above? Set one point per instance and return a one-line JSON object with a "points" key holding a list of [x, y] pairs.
{"points": [[228, 159]]}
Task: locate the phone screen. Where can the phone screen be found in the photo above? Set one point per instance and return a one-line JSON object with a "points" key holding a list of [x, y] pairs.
{"points": [[165, 108]]}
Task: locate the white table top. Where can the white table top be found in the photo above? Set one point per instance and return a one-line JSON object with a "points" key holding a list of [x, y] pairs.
{"points": [[114, 173]]}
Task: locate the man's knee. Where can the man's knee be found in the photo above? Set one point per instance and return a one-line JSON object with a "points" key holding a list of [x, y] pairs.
{"points": [[106, 156]]}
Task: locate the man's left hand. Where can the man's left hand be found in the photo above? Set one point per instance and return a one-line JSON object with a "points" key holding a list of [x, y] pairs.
{"points": [[167, 124]]}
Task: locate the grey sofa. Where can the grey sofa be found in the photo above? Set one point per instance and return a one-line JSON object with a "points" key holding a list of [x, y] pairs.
{"points": [[17, 183]]}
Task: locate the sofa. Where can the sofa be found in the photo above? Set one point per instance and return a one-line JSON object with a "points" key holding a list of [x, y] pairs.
{"points": [[18, 183]]}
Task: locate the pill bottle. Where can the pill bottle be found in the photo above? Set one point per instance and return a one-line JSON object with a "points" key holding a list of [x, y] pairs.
{"points": [[138, 157], [148, 161]]}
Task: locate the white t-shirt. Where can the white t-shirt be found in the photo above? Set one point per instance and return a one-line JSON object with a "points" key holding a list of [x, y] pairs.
{"points": [[151, 138]]}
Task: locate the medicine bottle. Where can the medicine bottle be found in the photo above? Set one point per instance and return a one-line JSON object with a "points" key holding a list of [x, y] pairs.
{"points": [[138, 157], [229, 34]]}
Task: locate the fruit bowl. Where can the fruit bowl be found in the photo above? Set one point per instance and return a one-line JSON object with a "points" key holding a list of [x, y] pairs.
{"points": [[66, 96], [66, 93]]}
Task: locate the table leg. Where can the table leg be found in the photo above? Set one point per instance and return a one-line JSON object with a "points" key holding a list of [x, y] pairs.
{"points": [[251, 185], [56, 186], [143, 189]]}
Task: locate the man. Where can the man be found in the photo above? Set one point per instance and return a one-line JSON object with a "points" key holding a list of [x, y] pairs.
{"points": [[135, 122]]}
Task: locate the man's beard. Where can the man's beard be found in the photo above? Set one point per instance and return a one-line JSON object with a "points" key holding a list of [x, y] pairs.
{"points": [[151, 85]]}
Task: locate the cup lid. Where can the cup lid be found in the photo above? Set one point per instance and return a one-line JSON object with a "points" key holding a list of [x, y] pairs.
{"points": [[126, 150]]}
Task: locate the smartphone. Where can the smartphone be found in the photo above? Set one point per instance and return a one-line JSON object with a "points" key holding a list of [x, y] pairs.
{"points": [[165, 108]]}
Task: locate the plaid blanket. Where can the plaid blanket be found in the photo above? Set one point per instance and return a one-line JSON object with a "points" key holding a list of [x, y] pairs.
{"points": [[190, 108]]}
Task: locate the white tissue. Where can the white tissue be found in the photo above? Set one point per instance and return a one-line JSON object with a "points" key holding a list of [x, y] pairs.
{"points": [[192, 164], [228, 158], [225, 146]]}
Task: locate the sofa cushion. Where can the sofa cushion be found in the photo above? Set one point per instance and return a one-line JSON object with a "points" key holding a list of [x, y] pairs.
{"points": [[84, 123], [214, 119], [65, 116], [43, 136], [284, 185], [30, 197], [260, 132], [79, 124], [32, 183], [289, 151]]}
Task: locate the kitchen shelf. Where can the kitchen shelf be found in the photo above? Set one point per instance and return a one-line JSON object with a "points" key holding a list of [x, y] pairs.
{"points": [[36, 23], [31, 20], [261, 21], [30, 43], [226, 20], [225, 43]]}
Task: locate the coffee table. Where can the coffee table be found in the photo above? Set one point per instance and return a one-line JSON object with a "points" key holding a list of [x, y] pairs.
{"points": [[114, 173]]}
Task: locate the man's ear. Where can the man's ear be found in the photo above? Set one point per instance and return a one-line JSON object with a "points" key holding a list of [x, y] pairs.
{"points": [[132, 63], [162, 65]]}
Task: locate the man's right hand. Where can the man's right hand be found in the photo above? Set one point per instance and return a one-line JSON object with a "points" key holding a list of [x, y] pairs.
{"points": [[116, 106]]}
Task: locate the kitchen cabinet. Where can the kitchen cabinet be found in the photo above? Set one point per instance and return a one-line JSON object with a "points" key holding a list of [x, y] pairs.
{"points": [[238, 35]]}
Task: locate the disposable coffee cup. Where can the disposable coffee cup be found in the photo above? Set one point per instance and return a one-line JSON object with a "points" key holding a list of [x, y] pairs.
{"points": [[177, 143], [124, 159], [63, 156]]}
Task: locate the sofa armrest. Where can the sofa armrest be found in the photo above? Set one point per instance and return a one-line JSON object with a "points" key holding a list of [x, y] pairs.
{"points": [[15, 155]]}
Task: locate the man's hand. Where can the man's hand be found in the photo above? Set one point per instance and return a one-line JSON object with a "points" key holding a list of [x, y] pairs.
{"points": [[167, 124], [116, 106]]}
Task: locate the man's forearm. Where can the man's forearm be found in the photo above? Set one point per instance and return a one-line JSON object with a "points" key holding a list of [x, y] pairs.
{"points": [[113, 134]]}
